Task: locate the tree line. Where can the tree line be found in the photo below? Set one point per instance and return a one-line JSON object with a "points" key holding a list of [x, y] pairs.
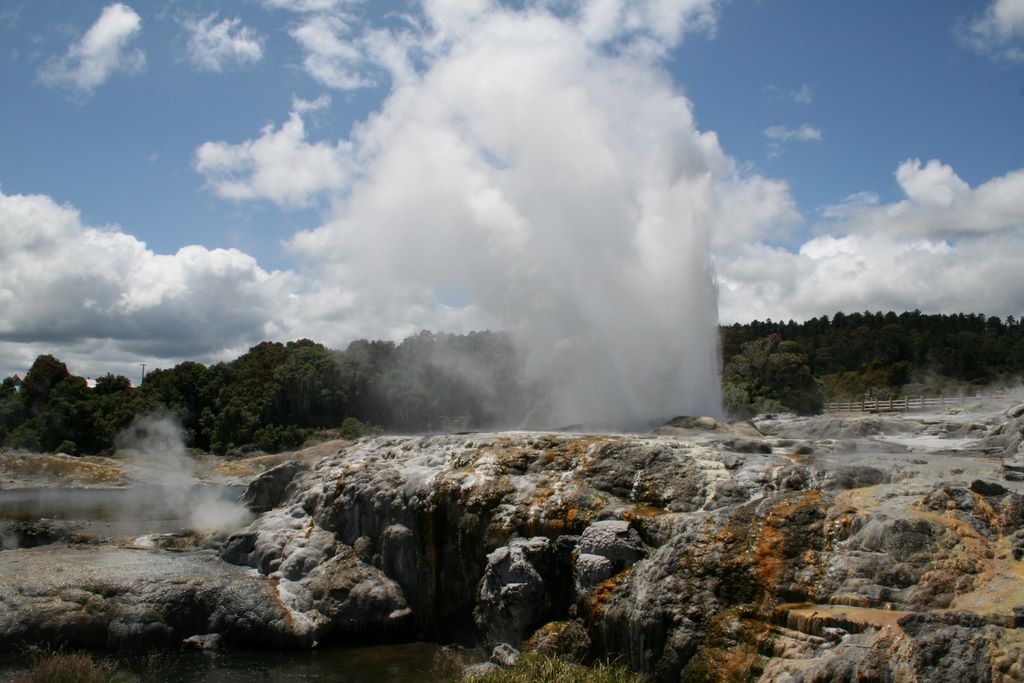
{"points": [[277, 395], [797, 366]]}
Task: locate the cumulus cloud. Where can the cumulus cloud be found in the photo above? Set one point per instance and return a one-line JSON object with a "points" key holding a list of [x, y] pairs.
{"points": [[752, 208], [67, 286], [872, 272], [301, 106], [215, 45], [940, 204], [778, 136], [804, 133], [342, 52], [665, 21], [933, 183], [946, 247], [452, 17], [105, 49], [998, 32], [307, 5], [805, 95], [280, 165], [853, 204], [334, 55]]}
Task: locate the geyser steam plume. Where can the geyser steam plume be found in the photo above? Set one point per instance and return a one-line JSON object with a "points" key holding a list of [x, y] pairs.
{"points": [[156, 443], [541, 176]]}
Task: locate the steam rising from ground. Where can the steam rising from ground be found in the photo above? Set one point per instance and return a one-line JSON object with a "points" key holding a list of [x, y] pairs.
{"points": [[156, 443], [545, 179]]}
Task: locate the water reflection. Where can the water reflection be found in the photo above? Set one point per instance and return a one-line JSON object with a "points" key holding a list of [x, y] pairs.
{"points": [[409, 663], [113, 512]]}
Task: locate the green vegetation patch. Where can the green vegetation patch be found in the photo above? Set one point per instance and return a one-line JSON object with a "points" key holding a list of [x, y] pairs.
{"points": [[60, 469], [537, 668], [66, 667]]}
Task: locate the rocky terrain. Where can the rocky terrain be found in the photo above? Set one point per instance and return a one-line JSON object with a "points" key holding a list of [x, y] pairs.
{"points": [[811, 549], [21, 470]]}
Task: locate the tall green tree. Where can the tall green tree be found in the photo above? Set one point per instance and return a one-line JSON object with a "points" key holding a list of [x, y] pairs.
{"points": [[770, 375]]}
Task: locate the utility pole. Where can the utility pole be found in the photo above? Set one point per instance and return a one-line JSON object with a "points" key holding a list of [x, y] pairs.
{"points": [[143, 374]]}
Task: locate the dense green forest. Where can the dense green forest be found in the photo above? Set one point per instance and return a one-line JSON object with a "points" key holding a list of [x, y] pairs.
{"points": [[770, 366], [277, 395]]}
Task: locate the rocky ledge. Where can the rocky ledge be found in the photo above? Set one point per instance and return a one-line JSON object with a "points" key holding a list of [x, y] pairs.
{"points": [[859, 548], [134, 599]]}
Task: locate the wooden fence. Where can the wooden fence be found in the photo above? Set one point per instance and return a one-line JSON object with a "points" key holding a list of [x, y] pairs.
{"points": [[891, 405]]}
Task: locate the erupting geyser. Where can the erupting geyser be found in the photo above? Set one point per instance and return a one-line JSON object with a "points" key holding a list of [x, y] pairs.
{"points": [[542, 178]]}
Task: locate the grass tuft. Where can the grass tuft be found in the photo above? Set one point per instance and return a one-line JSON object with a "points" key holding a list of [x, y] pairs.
{"points": [[62, 469], [538, 668], [65, 667]]}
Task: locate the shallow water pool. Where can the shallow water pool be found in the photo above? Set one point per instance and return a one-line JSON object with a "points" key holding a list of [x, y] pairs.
{"points": [[122, 512], [411, 662]]}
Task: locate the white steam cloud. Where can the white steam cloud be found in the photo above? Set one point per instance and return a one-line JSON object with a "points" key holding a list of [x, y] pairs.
{"points": [[535, 181], [533, 169], [156, 443]]}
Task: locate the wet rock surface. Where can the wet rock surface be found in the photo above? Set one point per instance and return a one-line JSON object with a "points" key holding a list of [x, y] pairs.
{"points": [[268, 489], [134, 599], [803, 549], [31, 533], [512, 595]]}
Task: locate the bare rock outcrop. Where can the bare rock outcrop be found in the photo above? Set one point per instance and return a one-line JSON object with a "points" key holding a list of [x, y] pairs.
{"points": [[512, 599], [826, 549], [269, 489], [135, 599]]}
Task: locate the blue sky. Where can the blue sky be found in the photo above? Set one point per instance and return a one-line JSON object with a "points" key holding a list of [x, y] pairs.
{"points": [[864, 156], [888, 81]]}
